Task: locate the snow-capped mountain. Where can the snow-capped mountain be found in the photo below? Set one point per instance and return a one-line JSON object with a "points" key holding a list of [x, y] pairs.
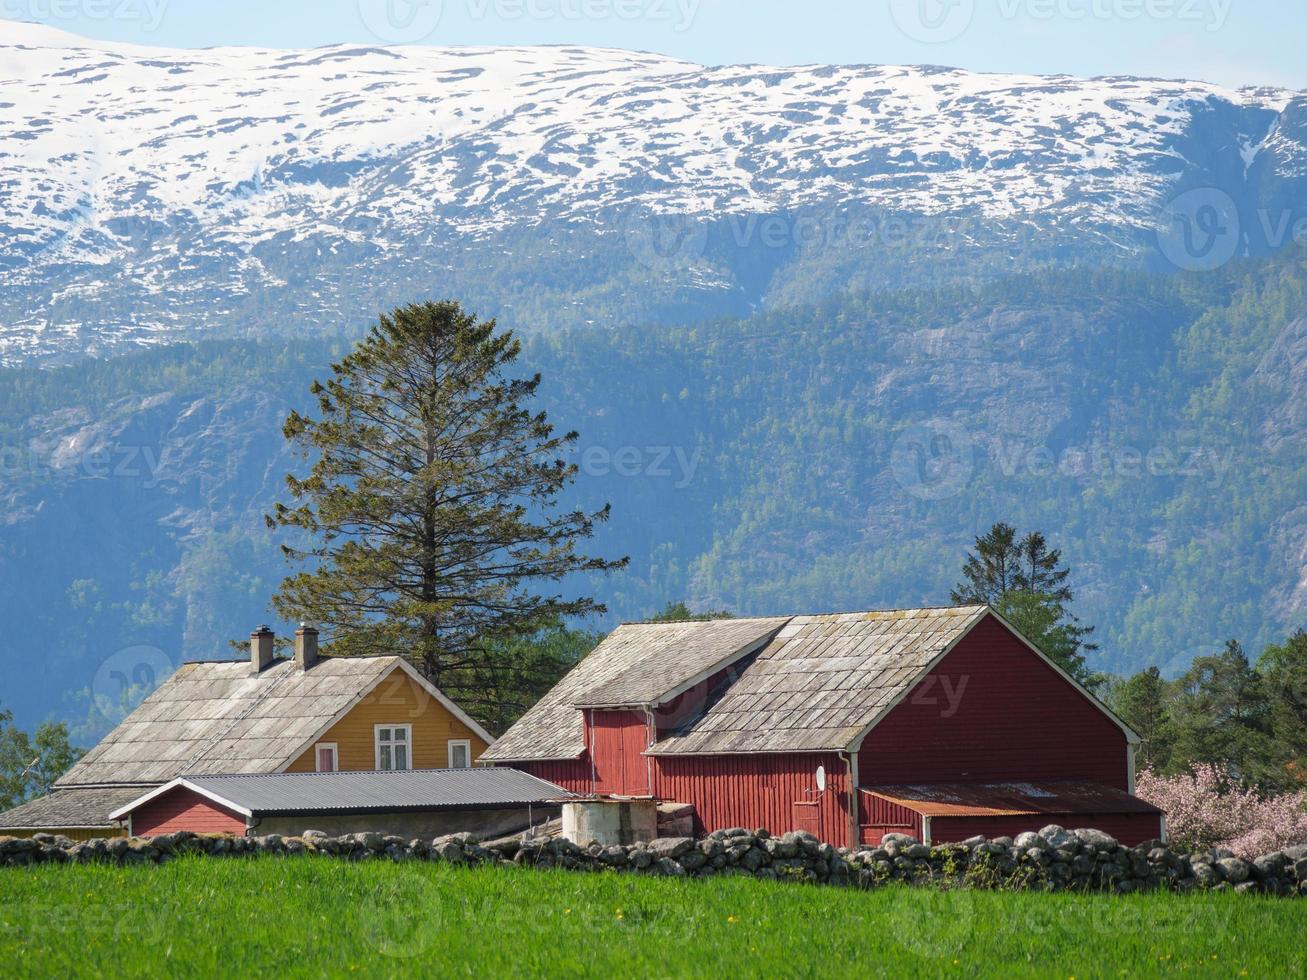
{"points": [[150, 193]]}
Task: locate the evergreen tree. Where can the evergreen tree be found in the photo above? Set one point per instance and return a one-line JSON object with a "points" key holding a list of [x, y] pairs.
{"points": [[1220, 715], [431, 506], [1142, 701], [680, 612], [518, 671], [1027, 584], [1283, 669]]}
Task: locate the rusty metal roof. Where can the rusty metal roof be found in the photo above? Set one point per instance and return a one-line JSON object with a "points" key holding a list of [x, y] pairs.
{"points": [[1059, 798], [637, 664], [823, 680]]}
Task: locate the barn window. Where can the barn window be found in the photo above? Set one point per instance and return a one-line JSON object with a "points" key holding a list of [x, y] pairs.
{"points": [[460, 753], [394, 747], [326, 757]]}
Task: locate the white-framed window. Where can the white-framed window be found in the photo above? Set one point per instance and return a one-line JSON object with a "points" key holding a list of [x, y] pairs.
{"points": [[394, 746], [326, 757], [460, 753]]}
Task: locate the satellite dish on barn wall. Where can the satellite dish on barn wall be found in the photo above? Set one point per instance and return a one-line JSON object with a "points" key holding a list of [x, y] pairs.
{"points": [[821, 779]]}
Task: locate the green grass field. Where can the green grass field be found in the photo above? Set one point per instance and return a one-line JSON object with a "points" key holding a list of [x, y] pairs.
{"points": [[318, 917]]}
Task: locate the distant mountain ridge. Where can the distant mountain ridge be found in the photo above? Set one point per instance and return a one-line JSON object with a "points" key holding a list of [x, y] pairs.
{"points": [[157, 194]]}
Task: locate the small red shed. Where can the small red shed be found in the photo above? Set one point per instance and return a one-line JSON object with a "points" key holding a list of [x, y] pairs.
{"points": [[816, 722]]}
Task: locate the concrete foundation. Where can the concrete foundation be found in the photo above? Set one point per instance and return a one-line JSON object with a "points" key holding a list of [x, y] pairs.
{"points": [[610, 821]]}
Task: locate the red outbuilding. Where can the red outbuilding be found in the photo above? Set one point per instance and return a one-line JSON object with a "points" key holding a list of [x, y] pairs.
{"points": [[941, 723]]}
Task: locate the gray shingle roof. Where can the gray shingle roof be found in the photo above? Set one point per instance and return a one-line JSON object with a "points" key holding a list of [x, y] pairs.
{"points": [[822, 681], [223, 718], [70, 808], [635, 664], [377, 792]]}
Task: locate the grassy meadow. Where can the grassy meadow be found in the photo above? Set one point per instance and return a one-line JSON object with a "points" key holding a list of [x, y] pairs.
{"points": [[323, 917]]}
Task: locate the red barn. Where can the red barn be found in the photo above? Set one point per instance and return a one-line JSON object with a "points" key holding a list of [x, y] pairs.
{"points": [[942, 723]]}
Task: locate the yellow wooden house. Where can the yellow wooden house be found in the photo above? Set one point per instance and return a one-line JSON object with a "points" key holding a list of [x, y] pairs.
{"points": [[264, 715]]}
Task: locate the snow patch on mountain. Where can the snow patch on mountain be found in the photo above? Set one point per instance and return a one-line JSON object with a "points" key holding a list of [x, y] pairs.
{"points": [[135, 160]]}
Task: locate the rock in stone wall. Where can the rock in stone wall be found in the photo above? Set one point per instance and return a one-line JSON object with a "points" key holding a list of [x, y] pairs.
{"points": [[1054, 859]]}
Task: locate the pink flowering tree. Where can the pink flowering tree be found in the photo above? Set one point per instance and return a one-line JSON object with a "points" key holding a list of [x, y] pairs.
{"points": [[1206, 807]]}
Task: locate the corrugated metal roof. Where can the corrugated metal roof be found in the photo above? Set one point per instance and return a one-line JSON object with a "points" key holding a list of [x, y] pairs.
{"points": [[222, 717], [88, 807], [363, 792], [1011, 799], [822, 681], [636, 664]]}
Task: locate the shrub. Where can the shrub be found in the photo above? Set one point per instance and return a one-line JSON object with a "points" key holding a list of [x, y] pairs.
{"points": [[1207, 807]]}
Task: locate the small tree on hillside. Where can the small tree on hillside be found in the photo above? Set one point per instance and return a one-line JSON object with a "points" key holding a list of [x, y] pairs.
{"points": [[431, 504], [29, 765], [680, 612], [1027, 583]]}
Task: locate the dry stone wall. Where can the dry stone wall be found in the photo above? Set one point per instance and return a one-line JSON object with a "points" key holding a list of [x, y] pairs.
{"points": [[1054, 859]]}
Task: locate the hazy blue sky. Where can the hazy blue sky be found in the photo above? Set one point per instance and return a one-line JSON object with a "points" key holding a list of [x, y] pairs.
{"points": [[1231, 41]]}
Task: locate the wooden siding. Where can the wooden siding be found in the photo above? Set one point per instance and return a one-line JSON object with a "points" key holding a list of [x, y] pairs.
{"points": [[757, 791], [879, 817], [184, 809], [574, 775], [397, 700], [1129, 828], [993, 710], [618, 740]]}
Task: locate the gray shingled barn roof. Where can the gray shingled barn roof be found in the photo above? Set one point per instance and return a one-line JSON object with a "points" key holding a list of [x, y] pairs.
{"points": [[634, 665], [70, 808], [823, 680], [288, 794], [223, 718]]}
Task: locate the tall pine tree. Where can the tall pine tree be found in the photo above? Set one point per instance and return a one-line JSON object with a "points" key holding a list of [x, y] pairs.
{"points": [[430, 516], [1027, 583]]}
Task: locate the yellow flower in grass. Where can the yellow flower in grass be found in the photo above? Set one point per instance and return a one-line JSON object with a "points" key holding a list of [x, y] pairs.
{"points": [[732, 919]]}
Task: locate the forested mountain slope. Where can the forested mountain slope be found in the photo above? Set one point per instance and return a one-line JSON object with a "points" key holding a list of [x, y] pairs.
{"points": [[840, 456]]}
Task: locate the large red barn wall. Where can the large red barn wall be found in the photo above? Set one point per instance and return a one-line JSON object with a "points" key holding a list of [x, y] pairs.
{"points": [[1015, 718], [574, 775], [732, 790], [184, 809], [756, 790]]}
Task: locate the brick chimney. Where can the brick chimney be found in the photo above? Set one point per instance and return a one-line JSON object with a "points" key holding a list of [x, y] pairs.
{"points": [[262, 642], [306, 646]]}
